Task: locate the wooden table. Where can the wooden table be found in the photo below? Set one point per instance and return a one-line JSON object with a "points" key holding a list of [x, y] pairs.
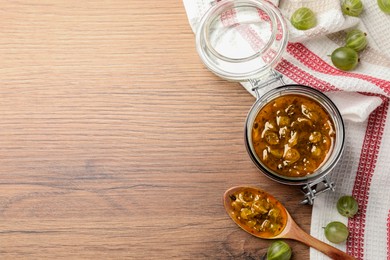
{"points": [[115, 141]]}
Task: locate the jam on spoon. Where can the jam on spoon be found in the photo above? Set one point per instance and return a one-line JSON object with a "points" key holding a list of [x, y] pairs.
{"points": [[260, 214]]}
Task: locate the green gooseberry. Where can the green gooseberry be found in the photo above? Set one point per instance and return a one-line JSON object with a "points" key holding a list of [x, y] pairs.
{"points": [[384, 5], [336, 232], [347, 206], [303, 19], [279, 250], [352, 7], [345, 58], [356, 40]]}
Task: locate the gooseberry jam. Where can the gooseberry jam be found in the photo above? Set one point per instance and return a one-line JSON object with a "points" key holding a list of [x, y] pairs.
{"points": [[258, 212], [293, 135]]}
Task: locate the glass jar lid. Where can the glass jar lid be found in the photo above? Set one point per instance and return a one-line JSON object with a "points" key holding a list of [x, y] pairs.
{"points": [[241, 39]]}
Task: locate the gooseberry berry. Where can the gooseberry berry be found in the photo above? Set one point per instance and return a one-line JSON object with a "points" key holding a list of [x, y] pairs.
{"points": [[345, 58], [279, 250], [303, 19], [336, 232], [356, 40], [384, 5], [347, 206], [352, 7]]}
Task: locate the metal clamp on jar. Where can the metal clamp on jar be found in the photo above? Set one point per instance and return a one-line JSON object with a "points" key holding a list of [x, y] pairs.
{"points": [[243, 40]]}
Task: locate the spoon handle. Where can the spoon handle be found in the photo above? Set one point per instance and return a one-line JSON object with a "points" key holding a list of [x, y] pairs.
{"points": [[298, 234]]}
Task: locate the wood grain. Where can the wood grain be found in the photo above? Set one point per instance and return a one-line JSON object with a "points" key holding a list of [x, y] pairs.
{"points": [[115, 141]]}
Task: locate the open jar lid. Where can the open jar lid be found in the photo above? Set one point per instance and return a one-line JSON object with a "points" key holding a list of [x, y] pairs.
{"points": [[241, 39]]}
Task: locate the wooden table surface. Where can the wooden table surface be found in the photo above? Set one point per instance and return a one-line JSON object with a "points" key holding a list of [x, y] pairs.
{"points": [[115, 141]]}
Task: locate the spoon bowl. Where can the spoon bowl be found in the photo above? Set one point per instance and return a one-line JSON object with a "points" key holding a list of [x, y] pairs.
{"points": [[279, 226]]}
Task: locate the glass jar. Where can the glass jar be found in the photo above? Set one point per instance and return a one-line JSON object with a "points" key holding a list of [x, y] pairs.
{"points": [[243, 40], [316, 182]]}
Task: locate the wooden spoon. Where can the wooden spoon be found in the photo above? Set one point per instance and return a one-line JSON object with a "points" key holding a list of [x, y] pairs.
{"points": [[290, 230]]}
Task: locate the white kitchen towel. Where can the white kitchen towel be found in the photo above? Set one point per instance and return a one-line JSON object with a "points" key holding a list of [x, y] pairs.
{"points": [[362, 95]]}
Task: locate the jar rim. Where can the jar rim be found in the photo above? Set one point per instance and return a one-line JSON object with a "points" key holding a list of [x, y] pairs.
{"points": [[264, 54]]}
